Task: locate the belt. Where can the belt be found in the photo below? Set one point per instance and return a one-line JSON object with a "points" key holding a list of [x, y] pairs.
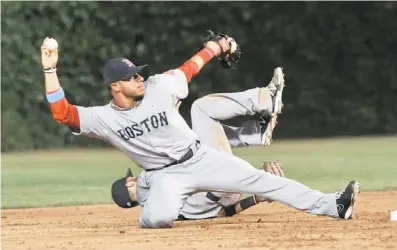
{"points": [[184, 158]]}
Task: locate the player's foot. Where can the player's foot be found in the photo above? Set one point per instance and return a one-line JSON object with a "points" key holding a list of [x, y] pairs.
{"points": [[276, 85], [346, 198], [268, 121]]}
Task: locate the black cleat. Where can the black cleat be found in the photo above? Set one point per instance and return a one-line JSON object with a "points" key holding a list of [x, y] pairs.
{"points": [[346, 198]]}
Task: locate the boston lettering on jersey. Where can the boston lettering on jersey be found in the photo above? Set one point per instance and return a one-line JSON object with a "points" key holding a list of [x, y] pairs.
{"points": [[147, 125]]}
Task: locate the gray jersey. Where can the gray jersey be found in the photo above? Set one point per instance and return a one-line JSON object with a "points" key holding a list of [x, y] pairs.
{"points": [[153, 133]]}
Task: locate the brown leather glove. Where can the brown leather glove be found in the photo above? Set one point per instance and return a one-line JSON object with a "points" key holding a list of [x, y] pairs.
{"points": [[230, 57], [274, 168]]}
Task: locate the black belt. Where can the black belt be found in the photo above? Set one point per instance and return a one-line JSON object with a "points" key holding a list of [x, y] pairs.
{"points": [[184, 158]]}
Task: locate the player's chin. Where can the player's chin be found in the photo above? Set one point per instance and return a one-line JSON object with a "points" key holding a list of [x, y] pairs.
{"points": [[142, 94], [139, 96], [140, 91]]}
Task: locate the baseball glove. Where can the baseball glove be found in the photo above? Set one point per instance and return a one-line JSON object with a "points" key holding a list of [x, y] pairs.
{"points": [[228, 59], [273, 168]]}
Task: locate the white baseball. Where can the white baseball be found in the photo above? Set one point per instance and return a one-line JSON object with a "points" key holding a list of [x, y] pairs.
{"points": [[51, 44], [233, 46]]}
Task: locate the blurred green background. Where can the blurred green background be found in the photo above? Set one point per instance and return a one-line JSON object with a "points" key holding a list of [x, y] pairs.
{"points": [[65, 177], [340, 60]]}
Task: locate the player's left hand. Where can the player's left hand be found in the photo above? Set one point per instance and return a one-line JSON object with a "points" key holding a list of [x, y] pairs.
{"points": [[225, 47], [274, 168]]}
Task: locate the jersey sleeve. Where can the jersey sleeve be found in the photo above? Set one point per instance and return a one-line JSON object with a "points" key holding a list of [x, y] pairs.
{"points": [[177, 83], [91, 123], [173, 82]]}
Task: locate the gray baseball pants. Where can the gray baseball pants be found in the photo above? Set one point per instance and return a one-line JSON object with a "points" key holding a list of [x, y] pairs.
{"points": [[219, 171]]}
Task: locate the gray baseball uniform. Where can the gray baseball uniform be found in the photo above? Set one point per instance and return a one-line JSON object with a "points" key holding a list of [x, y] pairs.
{"points": [[154, 134], [209, 126]]}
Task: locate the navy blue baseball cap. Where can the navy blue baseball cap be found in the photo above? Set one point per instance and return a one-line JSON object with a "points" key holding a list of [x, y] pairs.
{"points": [[120, 193], [117, 69]]}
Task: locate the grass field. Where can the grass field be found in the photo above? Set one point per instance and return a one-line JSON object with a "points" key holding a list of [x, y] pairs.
{"points": [[57, 178]]}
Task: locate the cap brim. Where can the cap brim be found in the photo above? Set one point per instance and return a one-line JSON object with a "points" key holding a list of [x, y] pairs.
{"points": [[133, 70]]}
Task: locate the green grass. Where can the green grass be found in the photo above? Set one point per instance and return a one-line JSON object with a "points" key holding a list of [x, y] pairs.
{"points": [[58, 178]]}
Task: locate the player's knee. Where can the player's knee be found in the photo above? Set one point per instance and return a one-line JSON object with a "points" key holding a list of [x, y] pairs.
{"points": [[158, 217], [196, 113], [195, 107], [157, 220], [199, 105], [199, 110]]}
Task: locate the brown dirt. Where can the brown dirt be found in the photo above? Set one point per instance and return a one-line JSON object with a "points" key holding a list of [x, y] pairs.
{"points": [[266, 226]]}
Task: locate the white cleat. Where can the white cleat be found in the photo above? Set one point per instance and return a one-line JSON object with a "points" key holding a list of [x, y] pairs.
{"points": [[267, 123]]}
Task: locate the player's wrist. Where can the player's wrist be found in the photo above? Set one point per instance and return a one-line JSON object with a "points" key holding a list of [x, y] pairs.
{"points": [[50, 70], [215, 47], [55, 96]]}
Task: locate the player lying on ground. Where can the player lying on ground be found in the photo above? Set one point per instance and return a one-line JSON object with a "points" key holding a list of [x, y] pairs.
{"points": [[203, 205], [213, 130], [142, 122]]}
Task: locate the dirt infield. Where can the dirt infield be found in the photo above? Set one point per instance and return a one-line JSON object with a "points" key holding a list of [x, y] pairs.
{"points": [[267, 226]]}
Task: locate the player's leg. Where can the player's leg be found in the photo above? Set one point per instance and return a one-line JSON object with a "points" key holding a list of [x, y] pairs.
{"points": [[211, 170], [227, 173], [168, 194], [242, 117], [234, 108], [225, 106], [247, 133]]}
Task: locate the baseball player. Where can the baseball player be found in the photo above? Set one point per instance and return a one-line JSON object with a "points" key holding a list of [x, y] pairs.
{"points": [[213, 132], [142, 122]]}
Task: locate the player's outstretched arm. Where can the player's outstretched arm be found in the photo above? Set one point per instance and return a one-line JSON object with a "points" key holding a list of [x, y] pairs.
{"points": [[62, 111], [211, 49], [239, 206]]}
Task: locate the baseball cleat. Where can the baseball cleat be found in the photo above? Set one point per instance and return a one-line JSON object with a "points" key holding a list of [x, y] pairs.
{"points": [[346, 198], [268, 121]]}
